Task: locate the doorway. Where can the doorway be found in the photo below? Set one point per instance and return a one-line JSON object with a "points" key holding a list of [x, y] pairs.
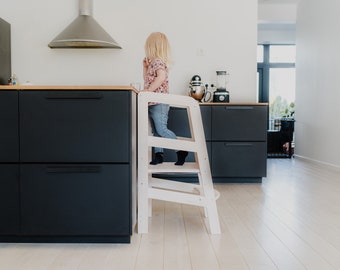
{"points": [[276, 86]]}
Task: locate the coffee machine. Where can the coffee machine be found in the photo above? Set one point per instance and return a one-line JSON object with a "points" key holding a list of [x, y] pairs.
{"points": [[221, 94]]}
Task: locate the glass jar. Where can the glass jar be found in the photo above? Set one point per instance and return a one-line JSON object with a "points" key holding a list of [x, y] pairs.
{"points": [[221, 83]]}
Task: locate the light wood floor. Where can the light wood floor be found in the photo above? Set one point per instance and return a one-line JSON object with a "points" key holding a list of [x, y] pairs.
{"points": [[290, 221]]}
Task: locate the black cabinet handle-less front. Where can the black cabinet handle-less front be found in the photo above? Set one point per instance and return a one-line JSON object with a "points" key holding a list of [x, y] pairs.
{"points": [[239, 108], [73, 169], [238, 144], [73, 95]]}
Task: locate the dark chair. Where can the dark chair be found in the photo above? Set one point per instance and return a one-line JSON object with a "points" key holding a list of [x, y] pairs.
{"points": [[280, 141]]}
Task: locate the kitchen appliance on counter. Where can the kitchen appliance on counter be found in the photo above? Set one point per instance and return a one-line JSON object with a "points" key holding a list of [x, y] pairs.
{"points": [[221, 94], [198, 90], [5, 52]]}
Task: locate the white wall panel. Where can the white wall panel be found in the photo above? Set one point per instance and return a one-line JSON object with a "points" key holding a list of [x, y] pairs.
{"points": [[318, 80], [205, 36]]}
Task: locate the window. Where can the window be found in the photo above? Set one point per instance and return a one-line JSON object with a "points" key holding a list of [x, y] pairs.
{"points": [[282, 54], [260, 53], [276, 79]]}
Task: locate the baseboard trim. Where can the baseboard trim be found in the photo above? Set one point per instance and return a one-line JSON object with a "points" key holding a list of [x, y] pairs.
{"points": [[121, 239], [318, 162]]}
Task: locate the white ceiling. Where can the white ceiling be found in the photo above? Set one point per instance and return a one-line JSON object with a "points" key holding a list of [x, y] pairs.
{"points": [[278, 11], [278, 1]]}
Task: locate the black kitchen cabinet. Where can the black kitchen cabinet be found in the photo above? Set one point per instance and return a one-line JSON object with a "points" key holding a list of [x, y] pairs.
{"points": [[239, 142], [72, 178], [238, 159], [74, 126], [239, 123], [9, 140], [236, 139], [9, 157], [9, 199], [75, 199]]}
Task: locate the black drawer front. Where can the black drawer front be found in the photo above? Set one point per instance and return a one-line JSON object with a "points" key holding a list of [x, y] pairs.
{"points": [[206, 119], [75, 126], [9, 199], [239, 123], [239, 159], [171, 156], [9, 138], [75, 199], [178, 121]]}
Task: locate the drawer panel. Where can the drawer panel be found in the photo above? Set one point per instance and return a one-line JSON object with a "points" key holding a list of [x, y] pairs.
{"points": [[239, 159], [75, 126], [9, 199], [178, 121], [75, 199], [239, 123], [9, 138], [206, 119], [171, 156]]}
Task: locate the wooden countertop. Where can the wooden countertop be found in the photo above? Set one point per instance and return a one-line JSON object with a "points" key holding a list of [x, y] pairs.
{"points": [[67, 87], [233, 103], [110, 87]]}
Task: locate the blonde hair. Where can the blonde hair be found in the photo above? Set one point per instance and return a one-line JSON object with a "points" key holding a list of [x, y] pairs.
{"points": [[157, 46]]}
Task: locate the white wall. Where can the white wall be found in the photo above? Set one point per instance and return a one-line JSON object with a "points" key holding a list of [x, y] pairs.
{"points": [[205, 35], [277, 12], [318, 80], [276, 23], [276, 33]]}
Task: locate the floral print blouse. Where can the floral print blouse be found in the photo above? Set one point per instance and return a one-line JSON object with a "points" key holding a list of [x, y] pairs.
{"points": [[151, 74]]}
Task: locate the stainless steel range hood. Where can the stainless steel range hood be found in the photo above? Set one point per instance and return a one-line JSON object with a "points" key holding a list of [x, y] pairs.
{"points": [[84, 32]]}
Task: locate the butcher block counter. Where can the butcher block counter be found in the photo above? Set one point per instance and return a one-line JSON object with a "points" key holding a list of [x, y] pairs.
{"points": [[67, 87], [67, 163]]}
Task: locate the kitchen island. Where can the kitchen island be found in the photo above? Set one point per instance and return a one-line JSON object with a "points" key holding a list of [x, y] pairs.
{"points": [[67, 163], [68, 158]]}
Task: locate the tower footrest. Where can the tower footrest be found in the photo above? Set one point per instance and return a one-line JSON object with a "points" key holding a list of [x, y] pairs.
{"points": [[170, 167]]}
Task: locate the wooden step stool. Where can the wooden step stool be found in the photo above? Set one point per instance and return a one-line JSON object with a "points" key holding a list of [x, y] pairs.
{"points": [[201, 194]]}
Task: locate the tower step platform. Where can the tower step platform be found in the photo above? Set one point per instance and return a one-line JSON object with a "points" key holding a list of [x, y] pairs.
{"points": [[150, 188]]}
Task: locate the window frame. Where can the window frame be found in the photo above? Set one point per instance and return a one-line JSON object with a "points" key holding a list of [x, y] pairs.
{"points": [[263, 68]]}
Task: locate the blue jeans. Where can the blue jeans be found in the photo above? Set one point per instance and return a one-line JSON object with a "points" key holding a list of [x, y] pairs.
{"points": [[158, 115]]}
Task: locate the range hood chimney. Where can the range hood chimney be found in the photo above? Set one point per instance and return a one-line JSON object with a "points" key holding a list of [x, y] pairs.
{"points": [[84, 32]]}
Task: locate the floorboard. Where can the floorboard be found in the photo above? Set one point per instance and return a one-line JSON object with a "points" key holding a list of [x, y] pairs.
{"points": [[290, 221]]}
